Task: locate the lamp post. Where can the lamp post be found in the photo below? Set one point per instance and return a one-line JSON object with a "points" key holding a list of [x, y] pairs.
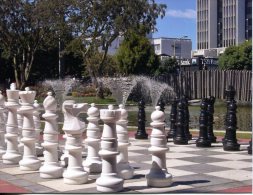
{"points": [[183, 37]]}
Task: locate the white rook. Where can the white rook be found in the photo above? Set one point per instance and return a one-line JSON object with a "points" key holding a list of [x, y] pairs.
{"points": [[2, 125], [109, 181], [12, 155], [93, 163], [51, 167], [74, 128], [29, 162], [125, 171], [158, 175]]}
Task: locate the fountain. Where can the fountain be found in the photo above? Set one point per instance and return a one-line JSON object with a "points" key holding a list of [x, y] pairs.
{"points": [[61, 88], [120, 87]]}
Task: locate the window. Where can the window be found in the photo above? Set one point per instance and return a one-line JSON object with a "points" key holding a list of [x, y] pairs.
{"points": [[157, 47]]}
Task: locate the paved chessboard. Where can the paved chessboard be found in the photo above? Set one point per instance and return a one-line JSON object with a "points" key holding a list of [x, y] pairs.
{"points": [[194, 170]]}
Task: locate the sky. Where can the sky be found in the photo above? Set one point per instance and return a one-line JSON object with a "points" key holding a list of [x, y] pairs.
{"points": [[179, 20]]}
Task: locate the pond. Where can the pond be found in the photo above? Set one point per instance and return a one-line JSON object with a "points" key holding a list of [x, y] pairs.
{"points": [[244, 116]]}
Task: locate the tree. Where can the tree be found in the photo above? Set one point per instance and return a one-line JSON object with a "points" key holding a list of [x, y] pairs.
{"points": [[24, 28], [237, 57], [98, 23], [168, 65], [136, 55]]}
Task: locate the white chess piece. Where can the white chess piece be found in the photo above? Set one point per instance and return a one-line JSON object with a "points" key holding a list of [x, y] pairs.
{"points": [[125, 171], [93, 163], [12, 155], [158, 175], [20, 126], [51, 167], [37, 125], [29, 162], [109, 181], [74, 128], [2, 126]]}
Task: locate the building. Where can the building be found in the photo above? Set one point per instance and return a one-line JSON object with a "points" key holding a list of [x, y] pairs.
{"points": [[220, 24], [179, 48]]}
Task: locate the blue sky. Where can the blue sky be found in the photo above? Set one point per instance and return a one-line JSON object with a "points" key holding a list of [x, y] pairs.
{"points": [[179, 20]]}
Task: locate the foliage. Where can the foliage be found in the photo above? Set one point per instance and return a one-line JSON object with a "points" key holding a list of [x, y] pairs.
{"points": [[168, 65], [97, 24], [237, 57], [136, 56], [24, 27]]}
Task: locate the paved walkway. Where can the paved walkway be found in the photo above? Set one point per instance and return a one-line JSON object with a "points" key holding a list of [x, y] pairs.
{"points": [[194, 170]]}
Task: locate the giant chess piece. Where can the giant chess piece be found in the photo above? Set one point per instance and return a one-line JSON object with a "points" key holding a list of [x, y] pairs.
{"points": [[230, 143], [124, 169], [250, 147], [109, 181], [158, 175], [51, 167], [29, 162], [203, 140], [187, 118], [93, 163], [173, 119], [12, 155], [20, 126], [141, 132], [2, 126], [37, 125], [180, 137], [230, 96], [210, 111], [74, 129]]}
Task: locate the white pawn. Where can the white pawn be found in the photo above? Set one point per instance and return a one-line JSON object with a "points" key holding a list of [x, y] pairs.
{"points": [[109, 181], [12, 155], [20, 126], [29, 162], [37, 125], [74, 128], [2, 126], [51, 167], [158, 175], [93, 163], [125, 171]]}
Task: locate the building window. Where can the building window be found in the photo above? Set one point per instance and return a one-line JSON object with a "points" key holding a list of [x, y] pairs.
{"points": [[157, 47]]}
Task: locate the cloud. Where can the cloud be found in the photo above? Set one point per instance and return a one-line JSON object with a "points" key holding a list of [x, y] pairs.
{"points": [[188, 13]]}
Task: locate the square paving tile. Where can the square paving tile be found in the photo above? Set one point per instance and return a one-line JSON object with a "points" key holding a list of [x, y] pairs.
{"points": [[204, 159], [233, 156], [17, 171], [178, 162], [238, 175], [233, 164], [179, 155]]}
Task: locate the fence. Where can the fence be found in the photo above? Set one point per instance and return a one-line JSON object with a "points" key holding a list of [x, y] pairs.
{"points": [[199, 84]]}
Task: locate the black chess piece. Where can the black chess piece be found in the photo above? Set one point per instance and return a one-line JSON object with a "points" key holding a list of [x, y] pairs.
{"points": [[210, 111], [230, 143], [203, 140], [230, 96], [162, 105], [250, 147], [141, 132], [180, 137], [173, 119], [187, 118]]}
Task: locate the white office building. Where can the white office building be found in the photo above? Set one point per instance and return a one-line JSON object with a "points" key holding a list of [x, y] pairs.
{"points": [[220, 24], [179, 48]]}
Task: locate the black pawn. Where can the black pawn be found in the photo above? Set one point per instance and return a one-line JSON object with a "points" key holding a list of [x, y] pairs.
{"points": [[210, 111], [180, 137], [203, 140], [141, 132], [187, 118], [250, 147], [230, 143], [173, 119]]}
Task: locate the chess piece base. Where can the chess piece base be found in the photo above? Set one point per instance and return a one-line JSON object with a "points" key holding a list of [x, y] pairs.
{"points": [[51, 171], [93, 167], [231, 146], [203, 143], [180, 141], [29, 164], [109, 183], [159, 180], [11, 158], [125, 171], [75, 176]]}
